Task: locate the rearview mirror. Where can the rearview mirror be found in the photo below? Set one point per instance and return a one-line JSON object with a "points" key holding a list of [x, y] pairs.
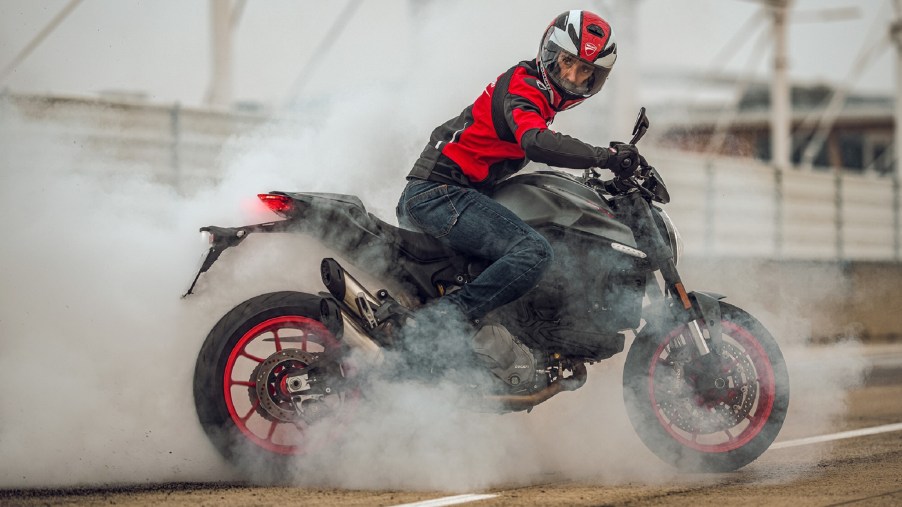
{"points": [[640, 127]]}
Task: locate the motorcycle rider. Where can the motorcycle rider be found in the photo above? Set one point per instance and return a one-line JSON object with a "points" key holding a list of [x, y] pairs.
{"points": [[448, 194]]}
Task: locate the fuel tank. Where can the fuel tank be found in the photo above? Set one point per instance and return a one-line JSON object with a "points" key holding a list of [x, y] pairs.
{"points": [[544, 198]]}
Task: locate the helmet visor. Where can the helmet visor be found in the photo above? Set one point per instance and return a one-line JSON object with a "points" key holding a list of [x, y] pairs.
{"points": [[571, 73]]}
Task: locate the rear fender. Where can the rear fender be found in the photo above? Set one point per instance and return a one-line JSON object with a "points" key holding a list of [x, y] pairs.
{"points": [[340, 221], [223, 238]]}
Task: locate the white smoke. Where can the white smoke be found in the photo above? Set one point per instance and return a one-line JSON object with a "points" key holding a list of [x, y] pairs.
{"points": [[97, 352], [101, 351]]}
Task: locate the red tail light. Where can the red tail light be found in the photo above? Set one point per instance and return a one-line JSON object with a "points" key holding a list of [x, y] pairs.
{"points": [[281, 204]]}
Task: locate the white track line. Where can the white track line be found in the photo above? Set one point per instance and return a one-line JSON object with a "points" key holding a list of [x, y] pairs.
{"points": [[448, 500], [839, 436], [460, 499]]}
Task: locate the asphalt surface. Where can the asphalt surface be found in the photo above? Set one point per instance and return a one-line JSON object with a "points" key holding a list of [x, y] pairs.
{"points": [[865, 470]]}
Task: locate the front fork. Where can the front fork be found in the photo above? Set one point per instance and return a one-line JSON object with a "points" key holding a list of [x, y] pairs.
{"points": [[693, 307]]}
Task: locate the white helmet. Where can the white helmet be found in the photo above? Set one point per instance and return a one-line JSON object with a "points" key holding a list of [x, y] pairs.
{"points": [[582, 39]]}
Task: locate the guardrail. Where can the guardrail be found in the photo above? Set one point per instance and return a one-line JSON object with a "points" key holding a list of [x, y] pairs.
{"points": [[723, 207], [737, 208], [171, 144]]}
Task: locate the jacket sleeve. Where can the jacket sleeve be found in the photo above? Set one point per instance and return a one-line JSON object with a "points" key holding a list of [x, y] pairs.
{"points": [[547, 147], [526, 108]]}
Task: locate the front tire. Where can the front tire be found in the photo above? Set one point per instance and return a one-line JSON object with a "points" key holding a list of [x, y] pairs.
{"points": [[719, 423], [241, 378]]}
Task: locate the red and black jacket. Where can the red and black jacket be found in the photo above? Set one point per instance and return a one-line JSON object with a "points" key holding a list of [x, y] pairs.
{"points": [[502, 131]]}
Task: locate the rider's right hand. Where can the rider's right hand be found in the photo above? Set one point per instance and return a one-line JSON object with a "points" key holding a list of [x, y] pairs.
{"points": [[623, 159]]}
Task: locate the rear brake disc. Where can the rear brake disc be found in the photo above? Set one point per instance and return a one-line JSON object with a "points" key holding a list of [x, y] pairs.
{"points": [[275, 399]]}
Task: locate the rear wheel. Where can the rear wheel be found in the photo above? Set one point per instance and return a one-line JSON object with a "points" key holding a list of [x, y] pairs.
{"points": [[716, 413], [267, 374]]}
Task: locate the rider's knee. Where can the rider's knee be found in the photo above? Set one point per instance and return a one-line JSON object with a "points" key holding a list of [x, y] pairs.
{"points": [[539, 250]]}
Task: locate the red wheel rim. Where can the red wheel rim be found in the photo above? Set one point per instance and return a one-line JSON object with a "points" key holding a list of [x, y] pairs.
{"points": [[252, 349], [758, 416]]}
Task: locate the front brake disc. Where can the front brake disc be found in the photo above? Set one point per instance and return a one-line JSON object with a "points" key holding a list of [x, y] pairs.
{"points": [[735, 399]]}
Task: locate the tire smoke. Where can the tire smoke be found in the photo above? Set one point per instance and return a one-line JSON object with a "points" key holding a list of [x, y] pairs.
{"points": [[97, 351]]}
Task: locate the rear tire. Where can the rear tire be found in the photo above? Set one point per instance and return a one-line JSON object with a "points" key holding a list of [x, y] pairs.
{"points": [[257, 434], [707, 429]]}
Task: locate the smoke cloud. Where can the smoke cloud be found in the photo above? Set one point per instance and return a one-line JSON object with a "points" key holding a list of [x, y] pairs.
{"points": [[97, 352]]}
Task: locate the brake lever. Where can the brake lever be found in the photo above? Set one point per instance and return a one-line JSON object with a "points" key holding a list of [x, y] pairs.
{"points": [[595, 183], [623, 185], [648, 193]]}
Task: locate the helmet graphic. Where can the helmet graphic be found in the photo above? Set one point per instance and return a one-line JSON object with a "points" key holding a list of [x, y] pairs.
{"points": [[577, 53]]}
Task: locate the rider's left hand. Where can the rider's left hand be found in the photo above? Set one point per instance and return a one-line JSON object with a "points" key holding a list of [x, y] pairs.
{"points": [[623, 159]]}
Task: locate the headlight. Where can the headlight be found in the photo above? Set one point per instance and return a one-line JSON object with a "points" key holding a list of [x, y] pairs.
{"points": [[676, 242]]}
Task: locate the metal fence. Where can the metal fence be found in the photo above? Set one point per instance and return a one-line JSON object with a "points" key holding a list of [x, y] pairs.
{"points": [[723, 207], [173, 145], [735, 208]]}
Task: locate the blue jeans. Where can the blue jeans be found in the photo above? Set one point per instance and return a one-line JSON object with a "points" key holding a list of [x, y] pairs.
{"points": [[474, 224]]}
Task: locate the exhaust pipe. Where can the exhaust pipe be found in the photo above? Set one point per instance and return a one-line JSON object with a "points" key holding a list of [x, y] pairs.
{"points": [[525, 402], [346, 328], [348, 290]]}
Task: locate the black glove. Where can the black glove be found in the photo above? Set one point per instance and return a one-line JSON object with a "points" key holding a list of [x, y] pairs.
{"points": [[623, 159]]}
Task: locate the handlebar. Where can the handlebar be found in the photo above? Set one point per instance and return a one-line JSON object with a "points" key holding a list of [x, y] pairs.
{"points": [[622, 185]]}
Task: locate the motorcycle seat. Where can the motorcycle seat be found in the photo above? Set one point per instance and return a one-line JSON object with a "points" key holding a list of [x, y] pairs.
{"points": [[418, 245]]}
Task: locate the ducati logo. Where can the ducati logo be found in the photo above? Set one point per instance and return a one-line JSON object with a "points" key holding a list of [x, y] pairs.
{"points": [[590, 49]]}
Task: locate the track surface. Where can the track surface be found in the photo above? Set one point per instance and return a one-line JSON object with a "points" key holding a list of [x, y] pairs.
{"points": [[856, 471]]}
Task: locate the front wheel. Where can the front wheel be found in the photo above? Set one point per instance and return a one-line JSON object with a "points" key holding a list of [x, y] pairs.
{"points": [[268, 372], [717, 413]]}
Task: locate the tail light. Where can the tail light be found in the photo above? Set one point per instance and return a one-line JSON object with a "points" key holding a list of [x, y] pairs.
{"points": [[279, 204]]}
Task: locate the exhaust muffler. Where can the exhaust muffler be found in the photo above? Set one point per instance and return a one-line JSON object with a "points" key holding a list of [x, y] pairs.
{"points": [[346, 289], [346, 328]]}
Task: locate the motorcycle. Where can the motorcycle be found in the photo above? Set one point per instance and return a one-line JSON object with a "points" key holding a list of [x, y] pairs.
{"points": [[705, 384]]}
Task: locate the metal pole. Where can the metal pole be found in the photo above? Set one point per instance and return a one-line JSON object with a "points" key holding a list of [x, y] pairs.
{"points": [[896, 35], [778, 213], [38, 39], [175, 126], [780, 107], [710, 207], [626, 75], [326, 44], [824, 125], [838, 212], [220, 91], [897, 241]]}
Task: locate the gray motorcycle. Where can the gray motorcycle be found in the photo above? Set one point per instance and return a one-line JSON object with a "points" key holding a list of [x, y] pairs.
{"points": [[705, 384]]}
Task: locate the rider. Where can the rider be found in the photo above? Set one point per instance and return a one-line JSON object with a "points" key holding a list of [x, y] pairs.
{"points": [[448, 192]]}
